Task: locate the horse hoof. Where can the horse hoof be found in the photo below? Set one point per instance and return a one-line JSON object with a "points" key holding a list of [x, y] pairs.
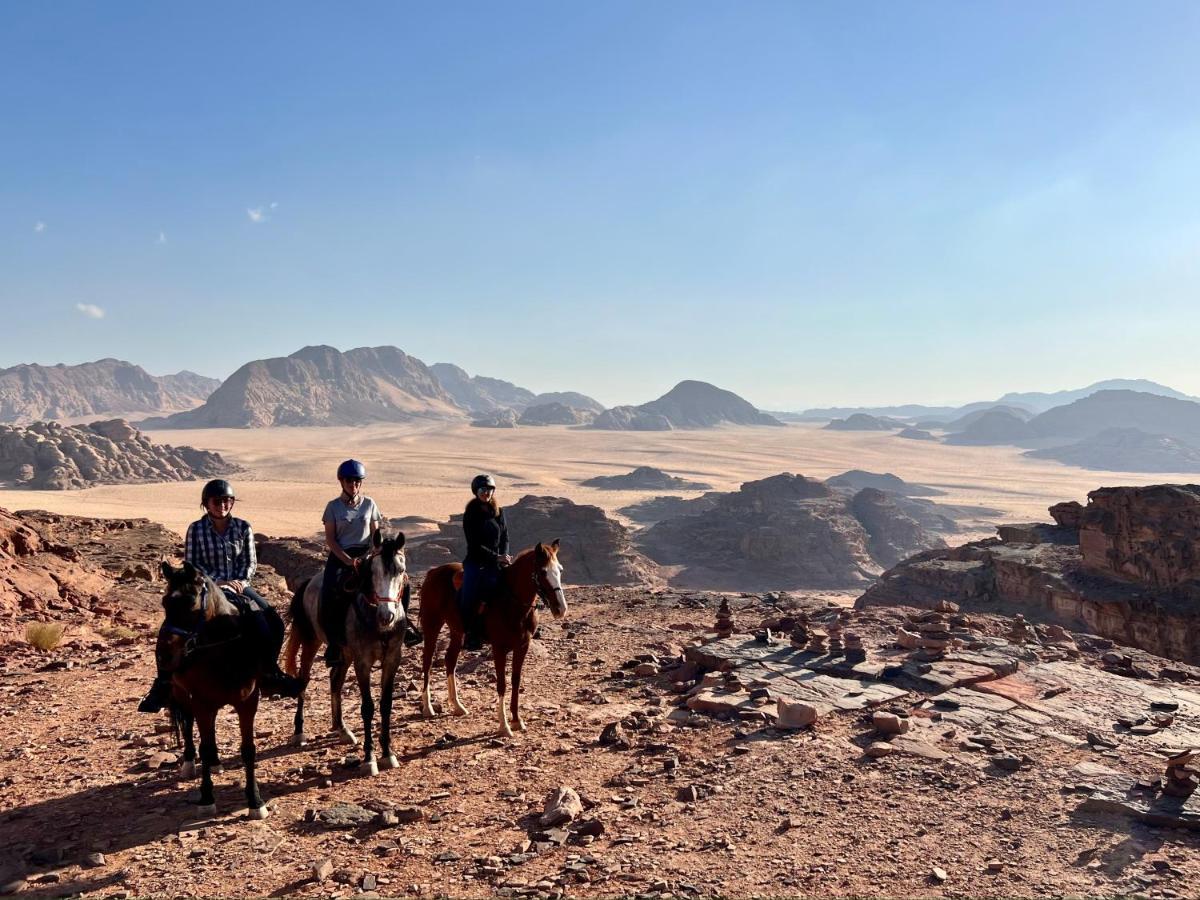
{"points": [[217, 770], [427, 711], [347, 737], [260, 812], [207, 810], [187, 770], [371, 767], [459, 710], [299, 740], [519, 724], [504, 732], [391, 762]]}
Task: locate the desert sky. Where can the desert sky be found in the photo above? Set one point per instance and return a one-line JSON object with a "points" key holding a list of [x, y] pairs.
{"points": [[425, 469]]}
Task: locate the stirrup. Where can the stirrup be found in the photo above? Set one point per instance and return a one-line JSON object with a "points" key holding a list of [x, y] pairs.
{"points": [[279, 682], [412, 635], [157, 697]]}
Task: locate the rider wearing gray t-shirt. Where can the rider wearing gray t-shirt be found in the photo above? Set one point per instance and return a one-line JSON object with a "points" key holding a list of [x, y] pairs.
{"points": [[352, 524]]}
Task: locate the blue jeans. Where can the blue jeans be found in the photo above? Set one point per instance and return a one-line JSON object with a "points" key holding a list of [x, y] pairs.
{"points": [[480, 583]]}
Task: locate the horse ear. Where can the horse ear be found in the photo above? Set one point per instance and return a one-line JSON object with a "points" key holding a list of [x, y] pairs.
{"points": [[167, 570], [188, 570], [399, 539], [554, 544], [377, 538], [540, 552]]}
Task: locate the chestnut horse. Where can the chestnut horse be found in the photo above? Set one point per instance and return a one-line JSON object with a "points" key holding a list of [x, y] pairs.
{"points": [[215, 664], [510, 618], [375, 626]]}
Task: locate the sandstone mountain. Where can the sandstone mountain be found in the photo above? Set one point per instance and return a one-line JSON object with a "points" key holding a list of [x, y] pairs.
{"points": [[1150, 413], [1039, 402], [962, 423], [50, 456], [690, 404], [322, 386], [573, 399], [863, 422], [647, 512], [554, 413], [106, 387], [644, 478], [786, 532], [996, 426], [1126, 450], [479, 394], [594, 549], [857, 479]]}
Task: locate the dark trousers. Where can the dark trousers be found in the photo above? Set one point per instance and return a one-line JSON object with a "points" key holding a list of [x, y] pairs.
{"points": [[335, 601], [480, 583]]}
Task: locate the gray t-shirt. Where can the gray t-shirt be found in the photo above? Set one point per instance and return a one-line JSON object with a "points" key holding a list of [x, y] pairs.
{"points": [[352, 524]]}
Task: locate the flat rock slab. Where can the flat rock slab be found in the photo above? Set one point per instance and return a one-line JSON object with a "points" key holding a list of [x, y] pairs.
{"points": [[736, 650], [826, 692], [1095, 699], [945, 674], [344, 815], [1119, 794]]}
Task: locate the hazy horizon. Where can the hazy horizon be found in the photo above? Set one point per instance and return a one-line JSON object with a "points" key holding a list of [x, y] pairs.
{"points": [[807, 205]]}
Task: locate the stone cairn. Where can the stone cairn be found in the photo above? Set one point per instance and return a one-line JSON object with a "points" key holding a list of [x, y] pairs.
{"points": [[816, 643], [1181, 779], [799, 635], [855, 651], [1021, 632], [834, 630], [724, 619]]}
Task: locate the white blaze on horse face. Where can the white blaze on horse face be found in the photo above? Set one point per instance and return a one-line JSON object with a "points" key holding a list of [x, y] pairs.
{"points": [[388, 588], [558, 605]]}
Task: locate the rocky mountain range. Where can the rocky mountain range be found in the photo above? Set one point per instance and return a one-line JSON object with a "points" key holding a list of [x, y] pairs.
{"points": [[1125, 450], [644, 478], [479, 394], [31, 392], [50, 456], [690, 404]]}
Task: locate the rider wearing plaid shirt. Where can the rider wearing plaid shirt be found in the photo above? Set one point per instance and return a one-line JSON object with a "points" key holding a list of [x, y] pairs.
{"points": [[222, 548]]}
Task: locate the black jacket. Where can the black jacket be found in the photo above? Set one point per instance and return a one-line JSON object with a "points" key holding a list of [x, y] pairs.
{"points": [[487, 534]]}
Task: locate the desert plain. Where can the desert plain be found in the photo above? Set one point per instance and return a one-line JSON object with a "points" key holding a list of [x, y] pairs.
{"points": [[423, 469]]}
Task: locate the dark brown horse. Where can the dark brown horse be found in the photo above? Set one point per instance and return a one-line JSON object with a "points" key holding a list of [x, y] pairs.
{"points": [[215, 664], [511, 620]]}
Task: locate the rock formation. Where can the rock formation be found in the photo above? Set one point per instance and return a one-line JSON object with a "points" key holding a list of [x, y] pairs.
{"points": [[864, 422], [690, 404], [554, 413], [1098, 412], [322, 386], [573, 399], [479, 394], [962, 423], [644, 478], [1126, 450], [107, 386], [996, 426], [784, 532], [857, 479], [594, 549], [656, 509], [1130, 571], [49, 456], [501, 418], [915, 434]]}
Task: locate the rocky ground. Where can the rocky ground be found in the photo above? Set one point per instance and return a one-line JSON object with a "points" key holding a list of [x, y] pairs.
{"points": [[710, 800]]}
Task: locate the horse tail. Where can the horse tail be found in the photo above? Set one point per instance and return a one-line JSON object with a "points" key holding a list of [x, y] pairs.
{"points": [[299, 631], [178, 721]]}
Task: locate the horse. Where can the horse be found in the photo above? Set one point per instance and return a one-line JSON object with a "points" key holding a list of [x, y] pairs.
{"points": [[375, 626], [214, 665], [510, 618]]}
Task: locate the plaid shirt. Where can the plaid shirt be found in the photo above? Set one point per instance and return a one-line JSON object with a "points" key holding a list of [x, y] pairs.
{"points": [[222, 557]]}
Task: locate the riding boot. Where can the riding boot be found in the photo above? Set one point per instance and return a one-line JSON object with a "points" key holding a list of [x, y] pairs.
{"points": [[158, 696], [273, 681], [412, 634]]}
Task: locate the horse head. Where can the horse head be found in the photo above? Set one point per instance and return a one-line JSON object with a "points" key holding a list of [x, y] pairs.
{"points": [[547, 575], [388, 574], [184, 597]]}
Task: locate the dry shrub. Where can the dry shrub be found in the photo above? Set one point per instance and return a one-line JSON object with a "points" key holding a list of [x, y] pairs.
{"points": [[116, 632], [44, 635]]}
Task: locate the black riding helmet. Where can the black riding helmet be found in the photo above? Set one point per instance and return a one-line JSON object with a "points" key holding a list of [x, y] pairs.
{"points": [[218, 487], [482, 481]]}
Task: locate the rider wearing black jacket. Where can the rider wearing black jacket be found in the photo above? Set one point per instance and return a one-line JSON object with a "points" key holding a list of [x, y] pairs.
{"points": [[487, 553]]}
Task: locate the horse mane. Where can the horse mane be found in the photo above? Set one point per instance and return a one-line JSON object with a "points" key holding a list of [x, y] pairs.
{"points": [[217, 603]]}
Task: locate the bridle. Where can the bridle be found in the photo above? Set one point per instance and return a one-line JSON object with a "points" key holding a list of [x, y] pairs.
{"points": [[192, 637]]}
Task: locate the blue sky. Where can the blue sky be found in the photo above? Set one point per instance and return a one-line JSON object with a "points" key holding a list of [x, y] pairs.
{"points": [[807, 203]]}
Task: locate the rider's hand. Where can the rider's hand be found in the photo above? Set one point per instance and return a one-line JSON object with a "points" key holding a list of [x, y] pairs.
{"points": [[506, 560]]}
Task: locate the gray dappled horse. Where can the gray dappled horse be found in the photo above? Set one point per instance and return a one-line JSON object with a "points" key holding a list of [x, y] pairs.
{"points": [[375, 626], [214, 663]]}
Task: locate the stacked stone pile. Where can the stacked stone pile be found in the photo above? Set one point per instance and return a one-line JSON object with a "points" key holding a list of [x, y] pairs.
{"points": [[725, 624], [50, 456], [1183, 775]]}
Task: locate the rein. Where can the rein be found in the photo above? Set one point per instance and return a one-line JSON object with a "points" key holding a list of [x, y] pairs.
{"points": [[192, 643]]}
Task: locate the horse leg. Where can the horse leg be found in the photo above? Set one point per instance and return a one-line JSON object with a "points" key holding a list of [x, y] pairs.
{"points": [[432, 630], [518, 662], [308, 652], [500, 657], [362, 670], [187, 725], [206, 720], [246, 710], [456, 642], [386, 688], [337, 679]]}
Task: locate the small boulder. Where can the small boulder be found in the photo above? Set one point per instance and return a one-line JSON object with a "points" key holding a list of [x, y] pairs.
{"points": [[889, 723], [562, 806], [322, 869], [795, 714], [878, 749]]}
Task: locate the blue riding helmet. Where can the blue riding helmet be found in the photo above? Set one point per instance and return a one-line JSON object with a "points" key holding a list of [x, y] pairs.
{"points": [[351, 468]]}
